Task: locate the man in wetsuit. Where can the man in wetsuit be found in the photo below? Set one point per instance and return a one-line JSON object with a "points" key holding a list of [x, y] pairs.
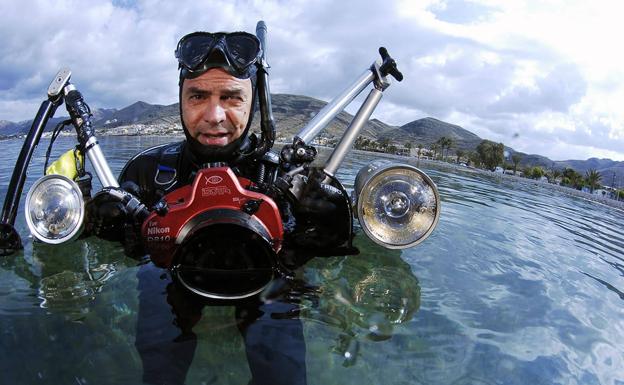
{"points": [[218, 77], [218, 94]]}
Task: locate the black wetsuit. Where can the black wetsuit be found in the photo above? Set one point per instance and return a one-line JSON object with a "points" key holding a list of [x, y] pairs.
{"points": [[162, 169], [272, 331]]}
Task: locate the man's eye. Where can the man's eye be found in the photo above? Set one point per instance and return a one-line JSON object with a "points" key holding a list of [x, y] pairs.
{"points": [[196, 97]]}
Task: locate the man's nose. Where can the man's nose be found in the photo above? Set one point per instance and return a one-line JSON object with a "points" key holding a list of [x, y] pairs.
{"points": [[214, 113]]}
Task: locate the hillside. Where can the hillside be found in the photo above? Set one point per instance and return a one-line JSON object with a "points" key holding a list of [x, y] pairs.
{"points": [[427, 131], [292, 112]]}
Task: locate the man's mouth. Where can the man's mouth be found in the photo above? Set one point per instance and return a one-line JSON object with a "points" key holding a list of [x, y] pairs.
{"points": [[214, 138]]}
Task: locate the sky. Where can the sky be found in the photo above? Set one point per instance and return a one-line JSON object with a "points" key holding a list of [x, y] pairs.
{"points": [[543, 77]]}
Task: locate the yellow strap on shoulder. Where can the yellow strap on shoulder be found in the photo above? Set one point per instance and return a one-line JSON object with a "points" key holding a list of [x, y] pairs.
{"points": [[66, 164]]}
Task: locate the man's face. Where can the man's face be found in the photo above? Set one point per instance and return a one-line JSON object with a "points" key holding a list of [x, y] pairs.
{"points": [[216, 107]]}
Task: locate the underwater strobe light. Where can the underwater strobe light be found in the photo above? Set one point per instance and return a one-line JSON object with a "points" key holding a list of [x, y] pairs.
{"points": [[397, 204], [54, 209]]}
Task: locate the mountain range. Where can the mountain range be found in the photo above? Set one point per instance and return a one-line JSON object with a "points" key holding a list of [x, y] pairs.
{"points": [[292, 112]]}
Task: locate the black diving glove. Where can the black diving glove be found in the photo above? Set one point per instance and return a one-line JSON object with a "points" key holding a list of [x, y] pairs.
{"points": [[321, 200], [323, 218], [114, 209]]}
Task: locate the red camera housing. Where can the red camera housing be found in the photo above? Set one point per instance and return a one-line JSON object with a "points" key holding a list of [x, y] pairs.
{"points": [[218, 203]]}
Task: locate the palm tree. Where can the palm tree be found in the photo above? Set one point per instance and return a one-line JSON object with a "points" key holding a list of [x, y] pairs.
{"points": [[491, 154], [516, 158], [444, 143], [572, 178], [474, 159], [592, 177], [554, 175], [448, 143], [383, 144], [459, 154], [360, 142], [420, 147], [434, 148], [441, 144], [408, 146]]}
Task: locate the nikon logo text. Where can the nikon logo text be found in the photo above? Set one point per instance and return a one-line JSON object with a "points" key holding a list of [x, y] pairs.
{"points": [[158, 230]]}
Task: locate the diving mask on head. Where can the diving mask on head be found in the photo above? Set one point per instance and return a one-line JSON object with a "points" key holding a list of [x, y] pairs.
{"points": [[236, 52]]}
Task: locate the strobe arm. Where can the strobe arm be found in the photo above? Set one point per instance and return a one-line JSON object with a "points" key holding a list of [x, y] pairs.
{"points": [[387, 67], [376, 74], [80, 114]]}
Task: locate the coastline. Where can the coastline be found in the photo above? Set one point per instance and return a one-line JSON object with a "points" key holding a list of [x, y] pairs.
{"points": [[439, 164], [518, 179]]}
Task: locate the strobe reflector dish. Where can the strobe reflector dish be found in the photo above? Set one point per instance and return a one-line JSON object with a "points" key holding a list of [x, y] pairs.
{"points": [[397, 204], [54, 209]]}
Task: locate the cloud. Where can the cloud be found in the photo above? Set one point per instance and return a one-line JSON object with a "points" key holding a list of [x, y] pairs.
{"points": [[497, 69], [557, 90]]}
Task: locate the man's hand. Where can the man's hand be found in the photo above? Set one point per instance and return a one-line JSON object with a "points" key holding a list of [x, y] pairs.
{"points": [[112, 210]]}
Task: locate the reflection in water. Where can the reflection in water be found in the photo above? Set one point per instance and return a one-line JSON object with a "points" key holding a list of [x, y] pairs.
{"points": [[67, 278], [361, 297], [65, 315], [171, 322], [70, 276]]}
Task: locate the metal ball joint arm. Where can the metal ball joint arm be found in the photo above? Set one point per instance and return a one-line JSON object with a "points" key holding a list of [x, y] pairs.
{"points": [[10, 240], [381, 82], [296, 155], [377, 74]]}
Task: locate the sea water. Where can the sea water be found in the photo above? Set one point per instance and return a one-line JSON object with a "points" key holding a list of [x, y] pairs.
{"points": [[518, 284]]}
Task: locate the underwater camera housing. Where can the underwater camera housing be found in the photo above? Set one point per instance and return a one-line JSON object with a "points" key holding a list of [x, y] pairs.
{"points": [[219, 238]]}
